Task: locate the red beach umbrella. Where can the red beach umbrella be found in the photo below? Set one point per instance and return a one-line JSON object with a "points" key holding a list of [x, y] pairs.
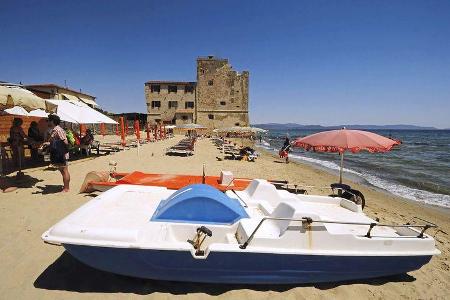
{"points": [[343, 140]]}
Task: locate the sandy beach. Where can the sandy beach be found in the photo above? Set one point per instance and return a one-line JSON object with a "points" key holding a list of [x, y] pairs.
{"points": [[31, 269]]}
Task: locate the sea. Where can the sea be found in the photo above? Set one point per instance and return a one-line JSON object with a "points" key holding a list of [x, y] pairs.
{"points": [[418, 169]]}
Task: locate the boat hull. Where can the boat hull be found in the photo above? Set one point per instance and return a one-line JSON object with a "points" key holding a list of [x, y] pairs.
{"points": [[242, 268]]}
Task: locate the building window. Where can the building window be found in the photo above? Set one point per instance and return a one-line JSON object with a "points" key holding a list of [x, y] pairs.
{"points": [[155, 88], [188, 89], [188, 104], [223, 103], [156, 104], [184, 118], [172, 89], [211, 116], [237, 124], [210, 82], [173, 104]]}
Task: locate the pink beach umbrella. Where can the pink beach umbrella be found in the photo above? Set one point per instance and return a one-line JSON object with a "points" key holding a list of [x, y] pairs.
{"points": [[343, 140]]}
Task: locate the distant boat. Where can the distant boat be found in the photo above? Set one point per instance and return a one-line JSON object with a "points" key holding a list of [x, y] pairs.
{"points": [[260, 235]]}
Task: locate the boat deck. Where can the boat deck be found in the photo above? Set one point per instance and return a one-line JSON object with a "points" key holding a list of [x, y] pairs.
{"points": [[122, 217], [318, 208]]}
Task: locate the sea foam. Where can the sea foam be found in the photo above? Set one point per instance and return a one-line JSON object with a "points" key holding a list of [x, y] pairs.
{"points": [[391, 187]]}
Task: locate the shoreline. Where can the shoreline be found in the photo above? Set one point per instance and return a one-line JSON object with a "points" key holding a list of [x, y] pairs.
{"points": [[356, 179], [50, 272]]}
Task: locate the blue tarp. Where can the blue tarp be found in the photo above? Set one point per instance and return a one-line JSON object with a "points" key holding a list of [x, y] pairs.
{"points": [[199, 203]]}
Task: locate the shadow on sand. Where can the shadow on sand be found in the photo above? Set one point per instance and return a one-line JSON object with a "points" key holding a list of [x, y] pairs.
{"points": [[49, 189], [68, 274], [23, 181], [279, 162]]}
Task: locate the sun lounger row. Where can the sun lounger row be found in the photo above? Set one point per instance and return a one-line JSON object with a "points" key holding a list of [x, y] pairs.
{"points": [[185, 147], [231, 151]]}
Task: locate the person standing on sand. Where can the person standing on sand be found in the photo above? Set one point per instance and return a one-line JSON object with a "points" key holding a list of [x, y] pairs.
{"points": [[284, 152], [17, 139], [34, 139], [59, 154]]}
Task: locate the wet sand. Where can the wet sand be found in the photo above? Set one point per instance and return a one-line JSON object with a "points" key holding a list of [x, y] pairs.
{"points": [[30, 269]]}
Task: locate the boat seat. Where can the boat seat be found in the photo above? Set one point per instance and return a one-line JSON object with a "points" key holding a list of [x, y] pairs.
{"points": [[270, 228], [260, 189], [265, 207]]}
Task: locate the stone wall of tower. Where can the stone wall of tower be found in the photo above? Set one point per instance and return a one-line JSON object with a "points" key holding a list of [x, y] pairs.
{"points": [[221, 94]]}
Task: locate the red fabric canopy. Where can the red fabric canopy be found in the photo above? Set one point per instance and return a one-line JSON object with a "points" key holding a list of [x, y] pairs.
{"points": [[342, 140]]}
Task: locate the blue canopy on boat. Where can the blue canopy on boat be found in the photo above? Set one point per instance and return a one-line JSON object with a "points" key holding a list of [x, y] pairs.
{"points": [[199, 203]]}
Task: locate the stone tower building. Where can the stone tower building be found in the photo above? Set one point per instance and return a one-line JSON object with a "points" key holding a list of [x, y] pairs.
{"points": [[221, 94], [218, 99]]}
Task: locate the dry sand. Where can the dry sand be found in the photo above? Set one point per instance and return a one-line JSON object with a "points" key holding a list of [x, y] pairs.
{"points": [[30, 269]]}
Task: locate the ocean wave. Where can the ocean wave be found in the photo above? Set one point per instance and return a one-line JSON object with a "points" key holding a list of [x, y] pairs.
{"points": [[391, 187], [408, 192], [324, 163]]}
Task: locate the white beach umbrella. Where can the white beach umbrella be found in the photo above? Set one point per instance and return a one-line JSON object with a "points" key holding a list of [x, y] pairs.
{"points": [[239, 129], [191, 126], [38, 113], [17, 110], [11, 96], [80, 113]]}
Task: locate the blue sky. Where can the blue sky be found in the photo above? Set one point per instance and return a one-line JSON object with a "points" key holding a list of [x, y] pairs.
{"points": [[310, 62]]}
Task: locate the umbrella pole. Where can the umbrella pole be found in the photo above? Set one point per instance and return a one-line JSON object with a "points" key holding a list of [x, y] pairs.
{"points": [[203, 177], [342, 167], [1, 162]]}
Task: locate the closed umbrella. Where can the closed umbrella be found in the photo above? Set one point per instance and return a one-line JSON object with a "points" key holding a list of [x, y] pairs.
{"points": [[343, 140]]}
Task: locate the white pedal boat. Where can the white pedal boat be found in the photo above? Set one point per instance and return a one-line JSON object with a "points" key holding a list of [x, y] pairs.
{"points": [[258, 236]]}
